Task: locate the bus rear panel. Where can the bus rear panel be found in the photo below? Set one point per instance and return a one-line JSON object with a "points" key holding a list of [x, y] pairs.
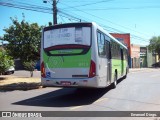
{"points": [[66, 56]]}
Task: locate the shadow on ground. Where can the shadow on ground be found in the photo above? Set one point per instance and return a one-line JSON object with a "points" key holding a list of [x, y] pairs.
{"points": [[66, 97]]}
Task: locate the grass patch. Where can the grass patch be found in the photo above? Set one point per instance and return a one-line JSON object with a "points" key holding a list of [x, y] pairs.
{"points": [[19, 83]]}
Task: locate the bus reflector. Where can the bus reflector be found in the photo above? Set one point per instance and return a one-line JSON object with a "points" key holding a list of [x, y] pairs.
{"points": [[43, 70], [92, 71]]}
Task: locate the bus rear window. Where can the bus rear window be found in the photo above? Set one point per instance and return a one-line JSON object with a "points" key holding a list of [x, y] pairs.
{"points": [[67, 36]]}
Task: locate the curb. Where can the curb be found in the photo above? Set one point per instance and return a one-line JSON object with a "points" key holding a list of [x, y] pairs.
{"points": [[140, 69]]}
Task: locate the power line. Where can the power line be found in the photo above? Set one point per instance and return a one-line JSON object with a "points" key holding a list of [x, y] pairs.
{"points": [[84, 1], [36, 8], [120, 8], [48, 10], [121, 31], [111, 29], [140, 38], [26, 7], [23, 4], [132, 35], [34, 2], [88, 4], [62, 19], [72, 15], [104, 19], [68, 16]]}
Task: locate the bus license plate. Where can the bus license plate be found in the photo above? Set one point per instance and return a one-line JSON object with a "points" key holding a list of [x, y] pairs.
{"points": [[65, 83]]}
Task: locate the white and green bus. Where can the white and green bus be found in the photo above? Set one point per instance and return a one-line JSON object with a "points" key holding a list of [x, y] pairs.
{"points": [[81, 55]]}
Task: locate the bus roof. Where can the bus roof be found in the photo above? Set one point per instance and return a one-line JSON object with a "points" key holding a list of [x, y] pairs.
{"points": [[87, 24], [109, 35]]}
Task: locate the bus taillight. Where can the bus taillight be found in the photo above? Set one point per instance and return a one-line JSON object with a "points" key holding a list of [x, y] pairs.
{"points": [[43, 74], [92, 71]]}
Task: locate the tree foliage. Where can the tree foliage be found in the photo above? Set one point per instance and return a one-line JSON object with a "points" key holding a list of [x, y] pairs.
{"points": [[155, 45], [6, 61], [24, 40], [29, 65]]}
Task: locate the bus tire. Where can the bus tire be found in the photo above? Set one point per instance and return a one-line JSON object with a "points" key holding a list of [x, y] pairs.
{"points": [[125, 74], [115, 81]]}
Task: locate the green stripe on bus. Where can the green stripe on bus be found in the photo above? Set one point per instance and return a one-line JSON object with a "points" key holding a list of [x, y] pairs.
{"points": [[66, 51], [75, 61], [117, 64]]}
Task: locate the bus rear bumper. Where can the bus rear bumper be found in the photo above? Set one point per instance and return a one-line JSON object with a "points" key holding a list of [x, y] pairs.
{"points": [[77, 82]]}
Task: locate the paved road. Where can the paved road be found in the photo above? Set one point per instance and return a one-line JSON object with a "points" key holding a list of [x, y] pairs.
{"points": [[138, 92]]}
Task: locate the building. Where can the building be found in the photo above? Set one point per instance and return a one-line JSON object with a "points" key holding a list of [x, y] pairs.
{"points": [[152, 59], [125, 39], [138, 56], [143, 57], [135, 56]]}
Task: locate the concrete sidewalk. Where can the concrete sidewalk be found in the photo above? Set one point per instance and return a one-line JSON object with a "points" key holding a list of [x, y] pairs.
{"points": [[141, 69]]}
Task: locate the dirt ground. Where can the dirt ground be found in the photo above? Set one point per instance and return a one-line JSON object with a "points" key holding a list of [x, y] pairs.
{"points": [[9, 82]]}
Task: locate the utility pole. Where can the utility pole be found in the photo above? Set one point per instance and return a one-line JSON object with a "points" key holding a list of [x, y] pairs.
{"points": [[54, 12], [54, 5]]}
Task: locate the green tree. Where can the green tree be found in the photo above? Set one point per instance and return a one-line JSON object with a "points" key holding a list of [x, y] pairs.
{"points": [[29, 65], [6, 61], [24, 40], [155, 45]]}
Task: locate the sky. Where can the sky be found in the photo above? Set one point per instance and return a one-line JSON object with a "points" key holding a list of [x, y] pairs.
{"points": [[140, 18]]}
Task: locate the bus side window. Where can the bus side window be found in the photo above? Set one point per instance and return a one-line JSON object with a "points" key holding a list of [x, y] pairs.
{"points": [[101, 45], [112, 49], [99, 38], [108, 51], [108, 47]]}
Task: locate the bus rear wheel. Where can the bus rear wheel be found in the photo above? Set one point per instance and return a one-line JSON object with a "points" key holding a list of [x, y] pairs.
{"points": [[125, 74]]}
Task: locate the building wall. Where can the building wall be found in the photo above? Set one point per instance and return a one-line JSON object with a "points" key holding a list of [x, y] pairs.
{"points": [[125, 39], [143, 56], [135, 56], [135, 51], [149, 58], [152, 58], [157, 58]]}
